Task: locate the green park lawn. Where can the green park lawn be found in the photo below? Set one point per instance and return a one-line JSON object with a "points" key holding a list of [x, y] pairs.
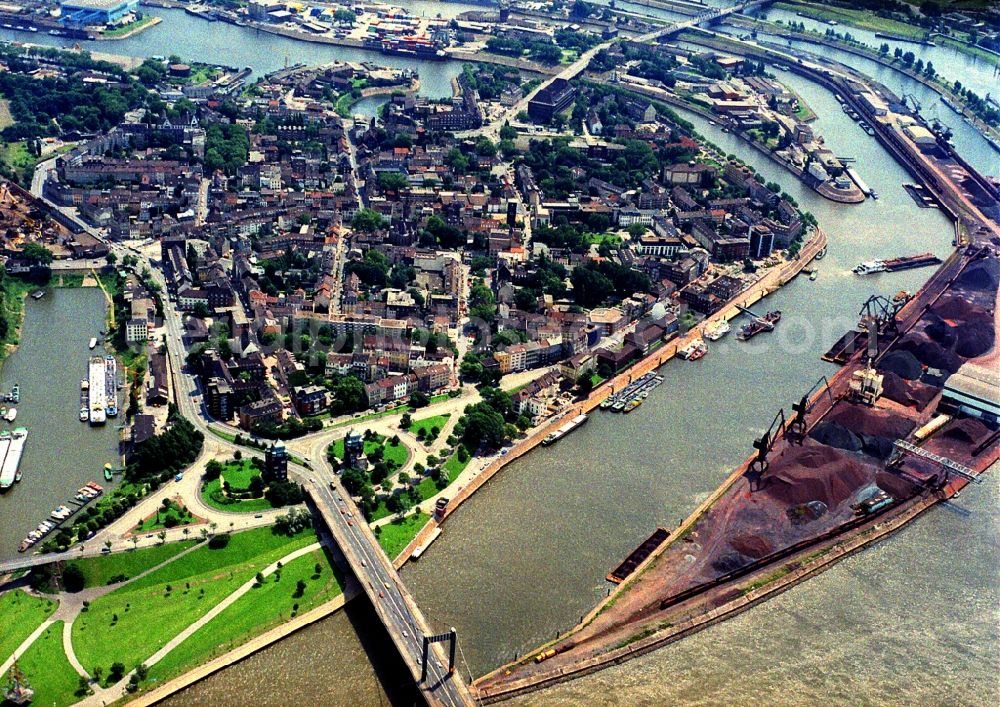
{"points": [[243, 505], [99, 571], [238, 474], [155, 608], [159, 520], [254, 613], [452, 468], [425, 426], [395, 536], [395, 453], [48, 672], [20, 614]]}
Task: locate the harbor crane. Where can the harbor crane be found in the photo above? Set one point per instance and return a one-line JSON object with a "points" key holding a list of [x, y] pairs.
{"points": [[866, 384], [910, 100], [756, 317], [882, 312], [764, 444], [797, 425]]}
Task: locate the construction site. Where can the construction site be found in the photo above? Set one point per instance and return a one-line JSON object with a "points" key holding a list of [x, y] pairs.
{"points": [[908, 422]]}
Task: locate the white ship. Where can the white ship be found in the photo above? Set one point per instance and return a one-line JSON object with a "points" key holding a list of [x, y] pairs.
{"points": [[11, 415], [8, 471], [869, 267], [98, 392], [93, 342], [716, 330]]}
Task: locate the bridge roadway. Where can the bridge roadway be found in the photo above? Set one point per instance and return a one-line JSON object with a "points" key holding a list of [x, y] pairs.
{"points": [[492, 130], [394, 605]]}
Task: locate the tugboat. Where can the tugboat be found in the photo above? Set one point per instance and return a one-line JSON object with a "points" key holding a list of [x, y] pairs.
{"points": [[869, 267], [693, 351], [758, 325]]}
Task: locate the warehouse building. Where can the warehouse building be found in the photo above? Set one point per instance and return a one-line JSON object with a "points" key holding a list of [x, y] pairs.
{"points": [[97, 12]]}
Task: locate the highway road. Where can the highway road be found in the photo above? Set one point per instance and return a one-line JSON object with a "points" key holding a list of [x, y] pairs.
{"points": [[393, 603]]}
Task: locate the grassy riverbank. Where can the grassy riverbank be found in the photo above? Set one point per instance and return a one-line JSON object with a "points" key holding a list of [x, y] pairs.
{"points": [[395, 536], [13, 290], [131, 623], [20, 614], [275, 601], [48, 671], [856, 18]]}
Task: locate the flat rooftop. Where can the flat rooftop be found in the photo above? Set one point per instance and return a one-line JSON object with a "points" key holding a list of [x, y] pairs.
{"points": [[98, 4]]}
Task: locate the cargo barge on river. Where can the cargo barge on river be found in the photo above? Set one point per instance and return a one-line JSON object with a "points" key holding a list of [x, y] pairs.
{"points": [[564, 430], [11, 449]]}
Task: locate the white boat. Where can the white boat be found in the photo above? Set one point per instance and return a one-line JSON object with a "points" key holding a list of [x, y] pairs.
{"points": [[11, 415], [9, 469], [693, 351], [93, 342], [84, 414], [717, 329], [98, 393], [869, 267]]}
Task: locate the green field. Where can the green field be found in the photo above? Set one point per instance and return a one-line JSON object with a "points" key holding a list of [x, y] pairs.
{"points": [[238, 474], [421, 429], [171, 516], [395, 536], [254, 613], [454, 467], [98, 571], [20, 614], [855, 18], [6, 119], [394, 453], [48, 672], [154, 609]]}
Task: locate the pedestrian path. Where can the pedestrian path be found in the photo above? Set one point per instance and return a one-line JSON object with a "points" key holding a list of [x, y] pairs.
{"points": [[117, 691]]}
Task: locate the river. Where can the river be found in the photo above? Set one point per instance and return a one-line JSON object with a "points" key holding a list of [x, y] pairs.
{"points": [[978, 74], [527, 555], [195, 39], [61, 453]]}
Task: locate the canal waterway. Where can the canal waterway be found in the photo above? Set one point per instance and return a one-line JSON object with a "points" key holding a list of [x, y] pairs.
{"points": [[61, 453], [526, 557]]}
